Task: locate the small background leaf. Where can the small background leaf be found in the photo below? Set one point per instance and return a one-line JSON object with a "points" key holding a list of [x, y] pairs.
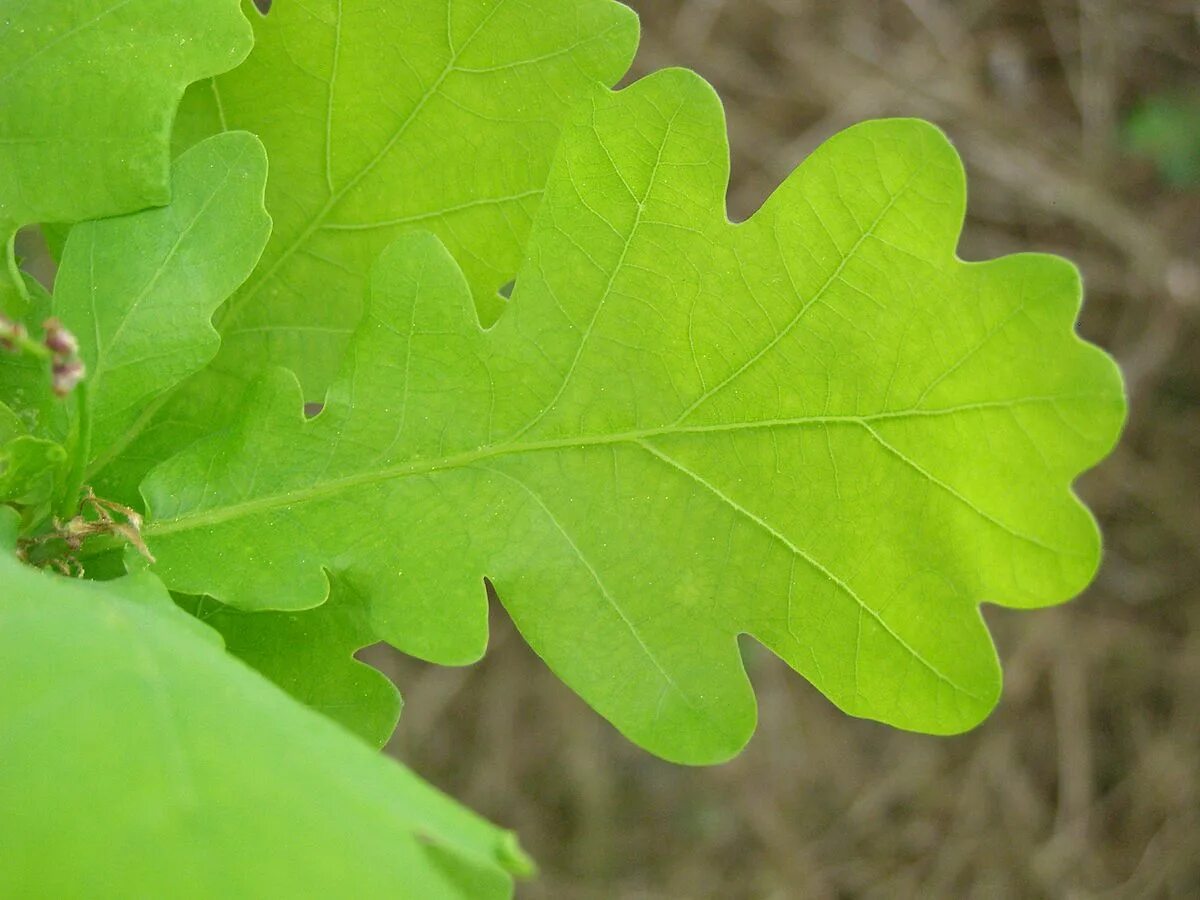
{"points": [[310, 654], [1165, 129], [139, 292], [29, 469]]}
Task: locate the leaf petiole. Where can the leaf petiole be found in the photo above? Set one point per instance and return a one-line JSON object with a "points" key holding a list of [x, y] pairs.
{"points": [[14, 272], [81, 440]]}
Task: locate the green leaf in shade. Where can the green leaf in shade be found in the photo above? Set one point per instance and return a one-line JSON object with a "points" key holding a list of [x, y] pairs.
{"points": [[310, 655], [88, 92], [25, 380], [381, 118], [11, 425], [818, 428], [139, 292], [55, 236], [29, 469], [140, 760]]}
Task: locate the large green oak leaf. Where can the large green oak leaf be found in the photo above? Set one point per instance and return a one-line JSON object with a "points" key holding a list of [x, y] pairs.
{"points": [[141, 760], [88, 94], [818, 428]]}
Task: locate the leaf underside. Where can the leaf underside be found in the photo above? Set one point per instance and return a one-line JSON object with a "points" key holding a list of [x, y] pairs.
{"points": [[819, 428], [310, 655]]}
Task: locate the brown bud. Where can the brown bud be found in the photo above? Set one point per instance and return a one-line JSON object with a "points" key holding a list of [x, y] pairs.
{"points": [[67, 375], [11, 334], [58, 340]]}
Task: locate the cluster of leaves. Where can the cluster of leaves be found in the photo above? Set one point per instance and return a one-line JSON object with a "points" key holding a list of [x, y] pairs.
{"points": [[817, 427]]}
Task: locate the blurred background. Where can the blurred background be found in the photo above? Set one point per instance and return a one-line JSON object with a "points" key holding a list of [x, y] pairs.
{"points": [[1079, 123]]}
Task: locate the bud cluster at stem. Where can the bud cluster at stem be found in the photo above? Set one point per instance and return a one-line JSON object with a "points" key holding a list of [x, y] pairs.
{"points": [[58, 345], [67, 368], [13, 336]]}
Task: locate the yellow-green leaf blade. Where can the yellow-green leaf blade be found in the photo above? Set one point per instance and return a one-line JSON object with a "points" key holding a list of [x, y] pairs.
{"points": [[819, 428]]}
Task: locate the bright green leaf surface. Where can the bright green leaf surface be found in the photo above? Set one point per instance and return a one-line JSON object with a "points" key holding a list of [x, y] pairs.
{"points": [[88, 92], [819, 428], [311, 656], [140, 760], [139, 292], [380, 118]]}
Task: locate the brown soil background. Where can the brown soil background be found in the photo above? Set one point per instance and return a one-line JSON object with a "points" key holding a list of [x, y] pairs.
{"points": [[1086, 780]]}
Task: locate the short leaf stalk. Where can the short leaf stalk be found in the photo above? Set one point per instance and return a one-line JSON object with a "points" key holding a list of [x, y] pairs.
{"points": [[14, 271], [81, 439]]}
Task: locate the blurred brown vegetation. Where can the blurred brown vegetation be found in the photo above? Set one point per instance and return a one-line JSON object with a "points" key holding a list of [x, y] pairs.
{"points": [[1086, 781]]}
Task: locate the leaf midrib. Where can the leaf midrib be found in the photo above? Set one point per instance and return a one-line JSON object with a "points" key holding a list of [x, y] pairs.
{"points": [[322, 490]]}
